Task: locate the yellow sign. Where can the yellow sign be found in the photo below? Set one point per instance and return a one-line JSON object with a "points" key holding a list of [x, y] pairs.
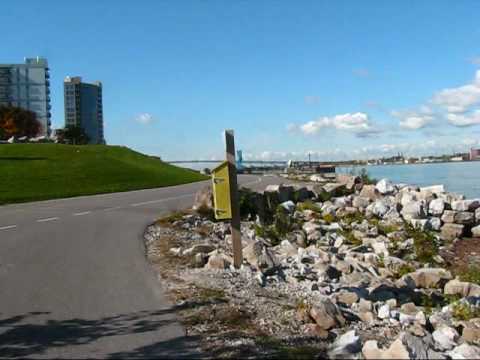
{"points": [[221, 192]]}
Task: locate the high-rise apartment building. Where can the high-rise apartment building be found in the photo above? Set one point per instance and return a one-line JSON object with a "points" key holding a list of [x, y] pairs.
{"points": [[28, 86], [83, 107]]}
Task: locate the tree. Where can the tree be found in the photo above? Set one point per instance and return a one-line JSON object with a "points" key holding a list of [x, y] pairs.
{"points": [[18, 122], [72, 134]]}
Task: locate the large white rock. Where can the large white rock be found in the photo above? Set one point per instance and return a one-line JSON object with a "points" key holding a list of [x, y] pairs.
{"points": [[413, 210], [445, 337], [384, 312], [435, 189], [465, 351], [434, 223], [420, 224], [396, 350], [345, 345], [436, 207], [465, 205], [385, 186], [379, 208], [476, 231]]}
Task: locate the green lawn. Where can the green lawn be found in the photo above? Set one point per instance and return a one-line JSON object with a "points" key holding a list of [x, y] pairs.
{"points": [[31, 172]]}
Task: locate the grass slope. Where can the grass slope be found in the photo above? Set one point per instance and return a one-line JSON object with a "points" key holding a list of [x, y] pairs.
{"points": [[31, 172]]}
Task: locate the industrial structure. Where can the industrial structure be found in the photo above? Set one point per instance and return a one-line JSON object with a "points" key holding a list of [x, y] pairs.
{"points": [[474, 154], [28, 86], [84, 108]]}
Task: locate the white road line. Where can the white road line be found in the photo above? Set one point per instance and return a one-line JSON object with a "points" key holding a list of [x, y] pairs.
{"points": [[82, 213], [8, 227], [161, 200], [47, 219]]}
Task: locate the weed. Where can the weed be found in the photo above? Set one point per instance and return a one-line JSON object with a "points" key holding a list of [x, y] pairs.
{"points": [[471, 274], [464, 311], [385, 229], [350, 238], [329, 218], [404, 269], [424, 244], [170, 219], [206, 212], [308, 205], [284, 351]]}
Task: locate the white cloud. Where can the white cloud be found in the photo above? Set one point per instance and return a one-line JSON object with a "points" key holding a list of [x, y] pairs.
{"points": [[462, 120], [459, 99], [312, 99], [414, 119], [144, 118], [356, 122]]}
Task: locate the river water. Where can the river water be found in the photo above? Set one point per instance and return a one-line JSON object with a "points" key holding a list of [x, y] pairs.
{"points": [[459, 177]]}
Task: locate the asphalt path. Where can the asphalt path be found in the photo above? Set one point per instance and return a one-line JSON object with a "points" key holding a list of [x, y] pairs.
{"points": [[74, 281]]}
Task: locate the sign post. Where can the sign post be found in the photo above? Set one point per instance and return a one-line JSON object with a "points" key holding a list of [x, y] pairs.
{"points": [[234, 199], [225, 196]]}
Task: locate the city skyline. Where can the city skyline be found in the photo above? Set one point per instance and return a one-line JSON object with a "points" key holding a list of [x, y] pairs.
{"points": [[291, 80]]}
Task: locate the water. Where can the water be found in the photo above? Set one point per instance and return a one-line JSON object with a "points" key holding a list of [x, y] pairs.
{"points": [[462, 177]]}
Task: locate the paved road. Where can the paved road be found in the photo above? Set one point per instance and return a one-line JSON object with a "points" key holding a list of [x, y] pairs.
{"points": [[74, 281]]}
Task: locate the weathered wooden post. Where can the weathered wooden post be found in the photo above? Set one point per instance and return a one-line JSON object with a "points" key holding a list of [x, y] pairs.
{"points": [[234, 198], [225, 196]]}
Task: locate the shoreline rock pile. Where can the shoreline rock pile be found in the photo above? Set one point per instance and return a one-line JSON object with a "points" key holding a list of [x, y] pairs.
{"points": [[365, 265]]}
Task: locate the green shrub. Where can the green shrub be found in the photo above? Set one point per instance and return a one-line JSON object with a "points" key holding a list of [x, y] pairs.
{"points": [[471, 274], [350, 238], [404, 269], [357, 217], [329, 218], [424, 244], [308, 205], [464, 311]]}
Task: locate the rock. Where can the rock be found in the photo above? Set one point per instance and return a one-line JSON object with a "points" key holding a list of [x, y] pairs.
{"points": [[465, 205], [464, 217], [409, 309], [345, 345], [471, 331], [176, 251], [384, 312], [298, 237], [436, 207], [476, 231], [360, 202], [451, 231], [289, 206], [420, 224], [465, 351], [261, 257], [457, 287], [420, 347], [347, 297], [435, 189], [385, 186], [326, 314], [445, 337], [396, 350], [477, 215], [335, 189], [281, 192], [413, 210], [203, 199], [448, 216], [366, 316], [434, 223], [315, 330], [369, 192], [379, 247], [218, 261], [310, 227], [199, 248], [379, 208], [429, 277], [199, 260]]}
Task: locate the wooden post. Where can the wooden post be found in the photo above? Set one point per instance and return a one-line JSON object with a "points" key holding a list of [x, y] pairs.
{"points": [[234, 199]]}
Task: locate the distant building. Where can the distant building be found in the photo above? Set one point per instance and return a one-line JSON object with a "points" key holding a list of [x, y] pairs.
{"points": [[474, 154], [84, 108], [28, 86]]}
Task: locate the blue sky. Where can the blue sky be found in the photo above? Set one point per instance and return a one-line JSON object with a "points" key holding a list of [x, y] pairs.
{"points": [[339, 79]]}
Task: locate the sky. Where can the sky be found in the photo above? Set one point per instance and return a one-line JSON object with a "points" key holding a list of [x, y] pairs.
{"points": [[336, 79]]}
